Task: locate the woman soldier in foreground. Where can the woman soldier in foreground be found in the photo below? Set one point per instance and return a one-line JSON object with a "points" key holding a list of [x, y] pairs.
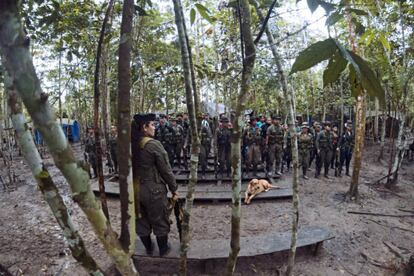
{"points": [[153, 173]]}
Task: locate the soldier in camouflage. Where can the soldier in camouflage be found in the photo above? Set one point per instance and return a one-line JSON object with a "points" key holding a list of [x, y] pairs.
{"points": [[90, 150], [152, 175], [346, 146], [253, 139], [222, 139], [305, 145], [164, 134], [274, 142], [177, 140], [324, 148], [113, 147], [205, 143]]}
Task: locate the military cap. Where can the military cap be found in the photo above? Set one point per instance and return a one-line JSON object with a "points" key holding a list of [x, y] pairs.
{"points": [[144, 117], [224, 119], [173, 118], [276, 118], [305, 124]]}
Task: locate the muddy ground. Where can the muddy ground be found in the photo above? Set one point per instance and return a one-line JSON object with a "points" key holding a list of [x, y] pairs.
{"points": [[31, 242]]}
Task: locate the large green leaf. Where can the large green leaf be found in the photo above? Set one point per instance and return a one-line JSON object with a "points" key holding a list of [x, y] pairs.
{"points": [[384, 42], [358, 12], [328, 7], [354, 82], [368, 79], [317, 52], [192, 16], [313, 5], [333, 18], [336, 65], [204, 12], [345, 54]]}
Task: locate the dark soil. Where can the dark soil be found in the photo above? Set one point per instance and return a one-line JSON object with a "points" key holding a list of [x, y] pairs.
{"points": [[32, 243]]}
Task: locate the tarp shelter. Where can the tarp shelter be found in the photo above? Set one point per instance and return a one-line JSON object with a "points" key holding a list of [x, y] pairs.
{"points": [[70, 128]]}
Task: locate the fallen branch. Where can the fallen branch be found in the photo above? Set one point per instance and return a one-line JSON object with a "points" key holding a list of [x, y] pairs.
{"points": [[405, 210], [392, 227], [347, 269], [389, 191], [394, 250], [372, 261], [378, 214]]}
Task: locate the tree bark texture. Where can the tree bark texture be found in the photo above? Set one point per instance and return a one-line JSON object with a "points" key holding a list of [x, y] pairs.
{"points": [[97, 93], [191, 99], [126, 189], [399, 149], [288, 95], [249, 57], [48, 187], [359, 144], [17, 59]]}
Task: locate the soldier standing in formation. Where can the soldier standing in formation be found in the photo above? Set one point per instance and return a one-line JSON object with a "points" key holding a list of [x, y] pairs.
{"points": [[253, 138], [164, 134], [287, 152], [113, 147], [324, 149], [177, 140], [90, 150], [153, 173], [346, 146], [205, 144], [305, 145], [265, 150], [274, 143], [223, 134], [314, 153], [335, 149]]}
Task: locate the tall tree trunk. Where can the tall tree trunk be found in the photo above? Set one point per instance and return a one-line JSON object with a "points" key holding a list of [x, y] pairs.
{"points": [[376, 122], [341, 90], [360, 118], [359, 144], [399, 148], [383, 131], [189, 80], [98, 143], [17, 59], [48, 187], [248, 57], [288, 95], [126, 189]]}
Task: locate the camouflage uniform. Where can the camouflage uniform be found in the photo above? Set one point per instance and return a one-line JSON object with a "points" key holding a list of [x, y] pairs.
{"points": [[164, 134], [324, 147], [346, 146], [205, 142], [287, 152], [113, 151], [223, 149], [90, 149], [305, 145], [253, 139], [275, 138], [177, 142]]}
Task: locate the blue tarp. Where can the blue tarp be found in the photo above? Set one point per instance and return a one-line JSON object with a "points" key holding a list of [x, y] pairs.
{"points": [[70, 128]]}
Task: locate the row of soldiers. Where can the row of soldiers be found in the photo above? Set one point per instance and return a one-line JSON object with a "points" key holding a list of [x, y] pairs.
{"points": [[264, 142], [270, 143]]}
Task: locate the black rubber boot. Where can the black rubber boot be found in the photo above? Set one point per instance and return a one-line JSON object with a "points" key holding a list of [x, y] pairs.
{"points": [[163, 245], [149, 245], [347, 171]]}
